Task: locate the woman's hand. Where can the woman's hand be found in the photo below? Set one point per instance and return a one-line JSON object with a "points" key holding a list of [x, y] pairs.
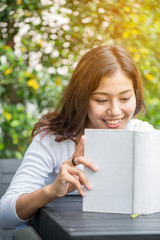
{"points": [[70, 177]]}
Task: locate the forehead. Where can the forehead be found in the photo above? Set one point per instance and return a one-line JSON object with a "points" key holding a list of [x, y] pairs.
{"points": [[115, 84]]}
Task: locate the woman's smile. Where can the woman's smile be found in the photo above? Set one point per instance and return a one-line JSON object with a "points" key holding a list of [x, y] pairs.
{"points": [[113, 103], [114, 123]]}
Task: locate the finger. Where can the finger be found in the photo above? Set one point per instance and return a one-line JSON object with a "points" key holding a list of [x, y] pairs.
{"points": [[80, 147], [85, 162], [80, 175], [74, 181]]}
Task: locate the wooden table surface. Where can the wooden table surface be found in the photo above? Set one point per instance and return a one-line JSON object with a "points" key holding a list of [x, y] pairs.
{"points": [[63, 219]]}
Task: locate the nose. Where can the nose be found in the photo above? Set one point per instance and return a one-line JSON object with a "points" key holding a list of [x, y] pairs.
{"points": [[114, 109]]}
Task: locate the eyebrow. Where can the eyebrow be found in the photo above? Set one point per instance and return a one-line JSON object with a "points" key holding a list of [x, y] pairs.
{"points": [[105, 93]]}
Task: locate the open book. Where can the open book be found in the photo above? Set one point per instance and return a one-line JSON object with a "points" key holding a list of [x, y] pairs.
{"points": [[128, 180]]}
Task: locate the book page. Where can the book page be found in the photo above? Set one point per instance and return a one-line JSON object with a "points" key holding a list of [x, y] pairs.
{"points": [[142, 173], [147, 172], [112, 152], [154, 199]]}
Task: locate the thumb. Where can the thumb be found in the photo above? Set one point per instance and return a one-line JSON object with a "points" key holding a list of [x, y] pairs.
{"points": [[80, 148]]}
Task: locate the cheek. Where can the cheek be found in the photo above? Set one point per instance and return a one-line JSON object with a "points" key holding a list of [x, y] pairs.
{"points": [[93, 110], [131, 106]]}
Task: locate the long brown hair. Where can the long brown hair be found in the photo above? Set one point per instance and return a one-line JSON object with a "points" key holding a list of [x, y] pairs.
{"points": [[70, 116]]}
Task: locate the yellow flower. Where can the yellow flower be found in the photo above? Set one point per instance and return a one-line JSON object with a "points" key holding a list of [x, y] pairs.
{"points": [[7, 115], [6, 47], [149, 77], [135, 31], [129, 25], [126, 34], [40, 43], [132, 49], [23, 49], [58, 81], [149, 100], [136, 57], [18, 2], [29, 74], [144, 50], [33, 84], [27, 14], [127, 9], [8, 71]]}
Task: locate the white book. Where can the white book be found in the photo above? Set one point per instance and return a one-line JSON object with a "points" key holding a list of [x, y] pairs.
{"points": [[128, 180]]}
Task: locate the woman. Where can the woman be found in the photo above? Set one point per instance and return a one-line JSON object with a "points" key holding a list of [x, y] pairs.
{"points": [[105, 92]]}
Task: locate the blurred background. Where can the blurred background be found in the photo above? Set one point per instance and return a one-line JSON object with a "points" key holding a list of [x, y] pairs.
{"points": [[41, 42]]}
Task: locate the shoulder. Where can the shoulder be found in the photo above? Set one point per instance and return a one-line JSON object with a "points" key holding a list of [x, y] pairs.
{"points": [[48, 145], [49, 141], [136, 124]]}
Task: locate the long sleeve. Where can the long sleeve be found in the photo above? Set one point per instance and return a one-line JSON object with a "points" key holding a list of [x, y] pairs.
{"points": [[42, 158]]}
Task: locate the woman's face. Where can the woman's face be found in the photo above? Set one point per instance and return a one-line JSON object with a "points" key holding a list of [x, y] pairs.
{"points": [[112, 104]]}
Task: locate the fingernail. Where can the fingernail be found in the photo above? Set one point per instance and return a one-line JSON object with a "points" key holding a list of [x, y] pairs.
{"points": [[83, 194], [95, 168], [89, 186]]}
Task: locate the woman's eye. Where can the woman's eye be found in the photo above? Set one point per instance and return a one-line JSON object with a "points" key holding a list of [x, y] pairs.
{"points": [[101, 100], [125, 99]]}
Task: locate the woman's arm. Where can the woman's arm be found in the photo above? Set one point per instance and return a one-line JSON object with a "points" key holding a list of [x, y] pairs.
{"points": [[68, 179], [40, 160], [27, 204]]}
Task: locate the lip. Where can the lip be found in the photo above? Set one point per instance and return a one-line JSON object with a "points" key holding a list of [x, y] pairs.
{"points": [[113, 123]]}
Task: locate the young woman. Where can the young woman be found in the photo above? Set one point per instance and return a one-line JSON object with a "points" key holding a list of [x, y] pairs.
{"points": [[105, 92]]}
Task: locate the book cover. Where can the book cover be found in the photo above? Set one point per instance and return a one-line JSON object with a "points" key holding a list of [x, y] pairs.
{"points": [[128, 180]]}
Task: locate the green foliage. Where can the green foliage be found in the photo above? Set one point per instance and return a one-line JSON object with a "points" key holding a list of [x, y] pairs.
{"points": [[41, 42], [24, 95]]}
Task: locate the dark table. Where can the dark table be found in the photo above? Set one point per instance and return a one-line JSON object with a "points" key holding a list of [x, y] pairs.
{"points": [[63, 219]]}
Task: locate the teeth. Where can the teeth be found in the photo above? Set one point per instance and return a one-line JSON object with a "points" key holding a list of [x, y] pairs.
{"points": [[113, 121]]}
